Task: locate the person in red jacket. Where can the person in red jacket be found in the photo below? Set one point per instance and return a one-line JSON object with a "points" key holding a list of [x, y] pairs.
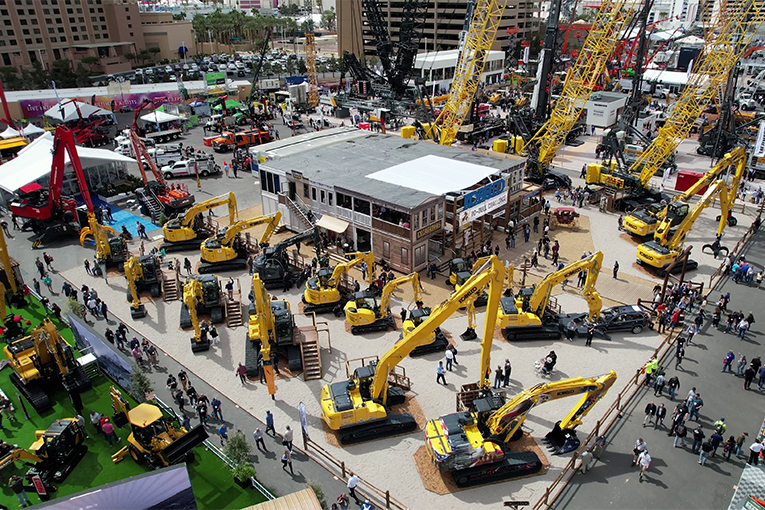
{"points": [[675, 319]]}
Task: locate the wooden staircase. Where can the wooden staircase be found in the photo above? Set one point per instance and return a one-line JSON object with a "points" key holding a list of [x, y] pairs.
{"points": [[309, 348], [170, 286], [234, 310]]}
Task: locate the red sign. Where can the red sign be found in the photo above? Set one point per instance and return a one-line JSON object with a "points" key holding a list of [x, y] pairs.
{"points": [[39, 487], [512, 30], [525, 44]]}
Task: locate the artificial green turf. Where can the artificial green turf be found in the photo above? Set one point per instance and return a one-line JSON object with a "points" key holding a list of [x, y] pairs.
{"points": [[211, 480]]}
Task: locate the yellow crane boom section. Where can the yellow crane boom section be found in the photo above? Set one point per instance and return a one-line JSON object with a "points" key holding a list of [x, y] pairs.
{"points": [[230, 199], [592, 264]]}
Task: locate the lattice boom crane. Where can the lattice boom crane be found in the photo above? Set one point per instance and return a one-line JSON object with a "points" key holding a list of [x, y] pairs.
{"points": [[310, 63]]}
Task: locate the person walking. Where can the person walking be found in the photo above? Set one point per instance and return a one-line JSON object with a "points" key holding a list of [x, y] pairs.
{"points": [[640, 447], [716, 440], [661, 413], [741, 364], [258, 437], [287, 460], [681, 431], [740, 443], [184, 379], [508, 371], [241, 371], [223, 433], [449, 359], [695, 407], [729, 447], [658, 384], [353, 482], [217, 414], [754, 452], [644, 460], [728, 361], [650, 412], [287, 438], [440, 374], [679, 355], [187, 265], [706, 450], [270, 423], [698, 439], [108, 429], [673, 385], [616, 268], [748, 378]]}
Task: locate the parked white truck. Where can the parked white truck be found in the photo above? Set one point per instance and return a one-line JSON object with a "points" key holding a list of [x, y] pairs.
{"points": [[190, 167]]}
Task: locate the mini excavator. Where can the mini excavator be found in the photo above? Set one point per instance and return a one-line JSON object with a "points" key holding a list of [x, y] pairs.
{"points": [[186, 231], [226, 250], [366, 315], [322, 293]]}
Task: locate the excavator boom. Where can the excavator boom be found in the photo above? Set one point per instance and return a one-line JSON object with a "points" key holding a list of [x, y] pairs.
{"points": [[541, 296]]}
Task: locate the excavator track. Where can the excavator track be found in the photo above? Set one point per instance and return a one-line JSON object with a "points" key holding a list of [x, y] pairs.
{"points": [[219, 267], [513, 465], [544, 332], [169, 247], [322, 308], [251, 358], [438, 345], [392, 425], [33, 393], [383, 324]]}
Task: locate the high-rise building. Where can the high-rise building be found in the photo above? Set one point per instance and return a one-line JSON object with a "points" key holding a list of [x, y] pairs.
{"points": [[444, 22], [48, 30]]}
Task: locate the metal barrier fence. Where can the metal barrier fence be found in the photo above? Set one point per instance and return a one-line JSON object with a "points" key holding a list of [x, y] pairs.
{"points": [[330, 463]]}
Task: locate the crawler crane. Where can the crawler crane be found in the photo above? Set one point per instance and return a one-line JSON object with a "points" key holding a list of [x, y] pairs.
{"points": [[365, 314], [359, 408], [667, 243], [322, 293], [475, 446], [525, 316], [737, 22], [226, 250], [184, 232]]}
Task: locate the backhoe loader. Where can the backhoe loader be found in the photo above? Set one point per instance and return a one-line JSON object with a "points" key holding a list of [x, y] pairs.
{"points": [[525, 317], [366, 315], [359, 408], [322, 293], [186, 231]]}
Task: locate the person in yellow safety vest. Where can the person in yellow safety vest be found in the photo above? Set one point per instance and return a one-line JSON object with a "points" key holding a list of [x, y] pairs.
{"points": [[650, 368]]}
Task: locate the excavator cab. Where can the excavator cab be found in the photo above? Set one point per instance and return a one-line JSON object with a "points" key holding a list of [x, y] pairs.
{"points": [[438, 341], [459, 272]]}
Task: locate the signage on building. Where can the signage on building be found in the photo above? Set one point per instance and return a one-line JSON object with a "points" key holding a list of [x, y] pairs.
{"points": [[213, 79], [759, 149], [485, 207], [37, 107], [484, 193], [427, 230]]}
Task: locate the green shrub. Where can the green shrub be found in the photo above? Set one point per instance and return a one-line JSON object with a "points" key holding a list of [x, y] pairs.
{"points": [[243, 471], [319, 493]]}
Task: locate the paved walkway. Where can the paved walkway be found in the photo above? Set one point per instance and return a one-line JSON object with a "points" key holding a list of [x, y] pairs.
{"points": [[675, 479]]}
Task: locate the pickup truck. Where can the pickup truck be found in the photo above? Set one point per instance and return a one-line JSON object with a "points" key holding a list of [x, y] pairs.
{"points": [[189, 167], [229, 140]]}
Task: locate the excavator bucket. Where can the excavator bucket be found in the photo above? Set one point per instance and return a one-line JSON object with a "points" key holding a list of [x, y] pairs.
{"points": [[176, 451], [561, 441]]}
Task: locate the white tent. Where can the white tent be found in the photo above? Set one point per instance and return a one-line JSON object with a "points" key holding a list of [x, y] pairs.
{"points": [[9, 133], [160, 117], [691, 40], [35, 160], [29, 131], [70, 111]]}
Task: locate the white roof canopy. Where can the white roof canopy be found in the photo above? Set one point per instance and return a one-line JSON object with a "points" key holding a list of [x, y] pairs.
{"points": [[70, 111], [434, 174], [35, 160], [29, 130], [160, 117]]}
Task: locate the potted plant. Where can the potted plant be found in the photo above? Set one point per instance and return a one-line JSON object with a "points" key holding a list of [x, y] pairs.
{"points": [[242, 474]]}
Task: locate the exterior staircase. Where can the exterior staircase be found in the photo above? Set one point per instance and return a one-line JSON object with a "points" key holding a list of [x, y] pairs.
{"points": [[234, 311], [300, 210], [170, 287], [147, 197], [311, 358]]}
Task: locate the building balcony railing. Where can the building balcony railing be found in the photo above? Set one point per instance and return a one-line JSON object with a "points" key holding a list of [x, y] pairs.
{"points": [[391, 228]]}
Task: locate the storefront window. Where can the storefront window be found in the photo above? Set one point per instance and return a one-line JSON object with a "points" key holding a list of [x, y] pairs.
{"points": [[405, 256], [384, 213], [386, 249], [440, 211], [419, 255], [433, 214], [416, 221]]}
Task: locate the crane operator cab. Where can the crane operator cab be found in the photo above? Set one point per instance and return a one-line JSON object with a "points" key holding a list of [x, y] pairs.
{"points": [[677, 212]]}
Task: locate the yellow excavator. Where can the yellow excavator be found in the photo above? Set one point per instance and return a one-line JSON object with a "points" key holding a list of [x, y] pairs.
{"points": [[667, 243], [322, 293], [12, 329], [41, 360], [643, 222], [208, 297], [475, 446], [109, 248], [186, 231], [525, 316], [142, 273], [226, 250], [55, 452], [366, 315], [359, 408], [192, 296], [154, 438]]}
